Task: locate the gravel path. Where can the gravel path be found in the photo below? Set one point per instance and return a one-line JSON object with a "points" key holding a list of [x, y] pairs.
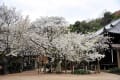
{"points": [[32, 75]]}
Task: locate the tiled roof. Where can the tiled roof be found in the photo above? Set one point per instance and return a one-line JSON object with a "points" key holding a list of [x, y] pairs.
{"points": [[114, 29]]}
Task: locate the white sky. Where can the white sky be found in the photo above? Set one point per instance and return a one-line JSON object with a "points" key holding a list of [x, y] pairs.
{"points": [[71, 10]]}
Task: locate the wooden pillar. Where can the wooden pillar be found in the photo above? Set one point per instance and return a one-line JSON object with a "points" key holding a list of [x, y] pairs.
{"points": [[118, 58]]}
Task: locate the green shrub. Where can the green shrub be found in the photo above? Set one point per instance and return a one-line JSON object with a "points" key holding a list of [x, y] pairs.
{"points": [[81, 71], [115, 70]]}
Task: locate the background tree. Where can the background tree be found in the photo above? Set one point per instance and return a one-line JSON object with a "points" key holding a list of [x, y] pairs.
{"points": [[107, 18], [94, 24]]}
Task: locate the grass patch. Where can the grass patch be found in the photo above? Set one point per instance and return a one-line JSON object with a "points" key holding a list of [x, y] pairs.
{"points": [[81, 71], [115, 70]]}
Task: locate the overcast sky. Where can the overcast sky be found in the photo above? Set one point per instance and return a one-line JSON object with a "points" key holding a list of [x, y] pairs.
{"points": [[71, 10]]}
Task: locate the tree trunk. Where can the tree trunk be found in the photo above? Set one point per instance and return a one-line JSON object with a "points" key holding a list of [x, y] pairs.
{"points": [[51, 68], [5, 67], [65, 66], [98, 67], [73, 68], [86, 67], [44, 68], [58, 67]]}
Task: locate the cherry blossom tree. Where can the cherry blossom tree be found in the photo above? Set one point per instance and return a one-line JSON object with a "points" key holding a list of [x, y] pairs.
{"points": [[8, 18], [80, 47], [12, 29], [48, 36], [43, 31], [52, 38]]}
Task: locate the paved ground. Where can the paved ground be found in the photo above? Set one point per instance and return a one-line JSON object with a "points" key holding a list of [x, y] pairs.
{"points": [[32, 75]]}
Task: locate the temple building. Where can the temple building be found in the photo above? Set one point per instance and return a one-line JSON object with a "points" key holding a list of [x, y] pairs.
{"points": [[112, 55]]}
